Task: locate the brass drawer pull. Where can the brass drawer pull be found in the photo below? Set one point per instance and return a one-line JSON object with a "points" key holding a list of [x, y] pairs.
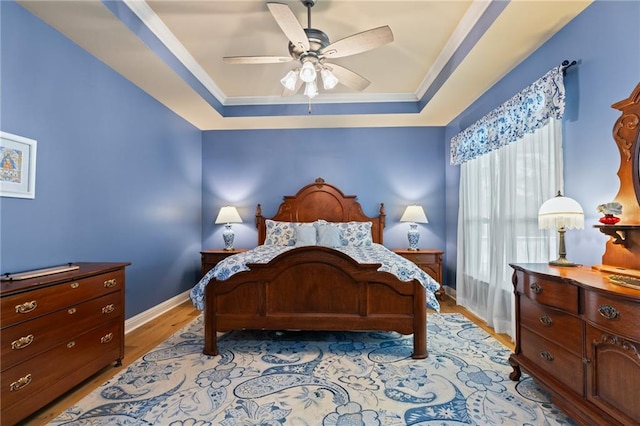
{"points": [[26, 307], [71, 311], [22, 342], [106, 338], [546, 320], [71, 344], [109, 308], [536, 288], [609, 312], [110, 283], [20, 383], [75, 284], [546, 355]]}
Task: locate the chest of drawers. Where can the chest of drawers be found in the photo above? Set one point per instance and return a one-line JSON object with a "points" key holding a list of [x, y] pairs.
{"points": [[577, 335], [56, 331]]}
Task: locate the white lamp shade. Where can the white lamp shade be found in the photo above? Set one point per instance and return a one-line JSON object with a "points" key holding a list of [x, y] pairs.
{"points": [[329, 80], [560, 212], [414, 214], [289, 80], [311, 89], [228, 214], [308, 72]]}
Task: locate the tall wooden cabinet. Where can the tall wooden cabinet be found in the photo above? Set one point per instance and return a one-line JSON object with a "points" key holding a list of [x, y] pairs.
{"points": [[578, 335], [57, 330]]}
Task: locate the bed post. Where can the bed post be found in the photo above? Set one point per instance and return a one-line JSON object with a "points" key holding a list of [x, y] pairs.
{"points": [[210, 326], [419, 322]]}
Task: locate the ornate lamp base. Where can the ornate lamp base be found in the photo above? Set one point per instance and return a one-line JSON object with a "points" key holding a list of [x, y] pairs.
{"points": [[227, 236], [413, 236]]}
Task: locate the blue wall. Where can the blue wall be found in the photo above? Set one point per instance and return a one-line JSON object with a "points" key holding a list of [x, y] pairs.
{"points": [[118, 174], [605, 40], [121, 178], [394, 166]]}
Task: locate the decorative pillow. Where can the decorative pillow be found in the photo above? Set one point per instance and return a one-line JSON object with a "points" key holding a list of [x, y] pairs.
{"points": [[280, 233], [355, 234], [305, 234], [328, 234]]}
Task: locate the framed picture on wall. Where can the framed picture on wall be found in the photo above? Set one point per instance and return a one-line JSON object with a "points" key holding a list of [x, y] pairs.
{"points": [[17, 166]]}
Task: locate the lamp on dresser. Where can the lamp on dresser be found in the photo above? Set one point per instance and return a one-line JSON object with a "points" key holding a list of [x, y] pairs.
{"points": [[228, 215], [414, 214], [561, 212]]}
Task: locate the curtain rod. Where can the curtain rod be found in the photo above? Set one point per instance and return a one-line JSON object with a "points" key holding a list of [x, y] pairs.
{"points": [[566, 65]]}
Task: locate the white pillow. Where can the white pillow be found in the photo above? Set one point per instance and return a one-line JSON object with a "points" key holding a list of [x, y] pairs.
{"points": [[328, 235], [305, 234]]}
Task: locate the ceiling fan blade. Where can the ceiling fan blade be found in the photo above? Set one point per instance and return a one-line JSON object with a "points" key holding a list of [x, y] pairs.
{"points": [[359, 43], [289, 25], [256, 59], [348, 78]]}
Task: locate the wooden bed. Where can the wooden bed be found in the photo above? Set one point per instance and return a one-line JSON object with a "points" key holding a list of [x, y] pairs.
{"points": [[315, 287]]}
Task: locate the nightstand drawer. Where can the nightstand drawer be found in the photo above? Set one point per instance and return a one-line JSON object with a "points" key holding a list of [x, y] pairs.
{"points": [[429, 260], [211, 257]]}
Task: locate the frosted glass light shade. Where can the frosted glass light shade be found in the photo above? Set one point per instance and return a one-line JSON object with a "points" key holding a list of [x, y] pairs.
{"points": [[308, 72], [311, 89], [414, 214], [329, 80], [289, 80], [228, 214], [560, 212]]}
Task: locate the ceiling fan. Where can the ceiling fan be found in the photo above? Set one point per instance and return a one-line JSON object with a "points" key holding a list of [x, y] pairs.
{"points": [[311, 48]]}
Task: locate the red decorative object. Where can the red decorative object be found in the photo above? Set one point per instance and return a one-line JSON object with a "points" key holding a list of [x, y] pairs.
{"points": [[609, 219]]}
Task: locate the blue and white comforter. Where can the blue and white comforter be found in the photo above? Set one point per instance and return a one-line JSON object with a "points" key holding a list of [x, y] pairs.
{"points": [[402, 268]]}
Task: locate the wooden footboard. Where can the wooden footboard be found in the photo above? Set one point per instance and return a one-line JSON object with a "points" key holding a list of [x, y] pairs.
{"points": [[315, 288]]}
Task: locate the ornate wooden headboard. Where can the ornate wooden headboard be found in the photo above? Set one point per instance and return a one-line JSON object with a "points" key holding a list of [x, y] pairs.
{"points": [[320, 200]]}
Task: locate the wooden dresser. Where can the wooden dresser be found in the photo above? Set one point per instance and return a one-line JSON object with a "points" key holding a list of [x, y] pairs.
{"points": [[429, 260], [578, 335], [57, 330]]}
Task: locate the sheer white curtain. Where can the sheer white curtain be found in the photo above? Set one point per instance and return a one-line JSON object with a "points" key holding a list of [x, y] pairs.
{"points": [[511, 162], [500, 193]]}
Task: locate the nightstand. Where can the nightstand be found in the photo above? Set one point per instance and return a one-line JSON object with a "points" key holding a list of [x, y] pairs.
{"points": [[430, 261], [211, 257]]}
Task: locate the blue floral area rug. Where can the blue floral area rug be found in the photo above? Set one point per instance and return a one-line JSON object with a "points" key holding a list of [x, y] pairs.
{"points": [[321, 378]]}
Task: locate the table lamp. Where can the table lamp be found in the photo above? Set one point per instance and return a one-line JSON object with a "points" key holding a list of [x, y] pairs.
{"points": [[561, 212], [414, 214], [228, 215]]}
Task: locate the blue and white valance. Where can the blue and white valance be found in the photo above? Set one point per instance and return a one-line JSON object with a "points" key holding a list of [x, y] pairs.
{"points": [[524, 113]]}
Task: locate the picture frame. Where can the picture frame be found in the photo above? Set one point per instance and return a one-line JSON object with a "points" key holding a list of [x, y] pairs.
{"points": [[17, 166]]}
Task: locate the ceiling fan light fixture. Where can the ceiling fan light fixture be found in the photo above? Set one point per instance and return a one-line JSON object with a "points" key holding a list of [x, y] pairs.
{"points": [[308, 72], [289, 80], [329, 80], [311, 89]]}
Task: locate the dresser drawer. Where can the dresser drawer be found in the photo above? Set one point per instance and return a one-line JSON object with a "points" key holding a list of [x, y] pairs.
{"points": [[547, 292], [41, 379], [556, 361], [552, 324], [25, 306], [618, 316], [27, 339]]}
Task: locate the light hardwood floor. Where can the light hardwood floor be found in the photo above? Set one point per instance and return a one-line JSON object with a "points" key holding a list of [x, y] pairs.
{"points": [[145, 338]]}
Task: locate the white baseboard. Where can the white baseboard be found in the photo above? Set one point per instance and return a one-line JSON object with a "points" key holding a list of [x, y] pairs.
{"points": [[148, 315], [451, 292]]}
